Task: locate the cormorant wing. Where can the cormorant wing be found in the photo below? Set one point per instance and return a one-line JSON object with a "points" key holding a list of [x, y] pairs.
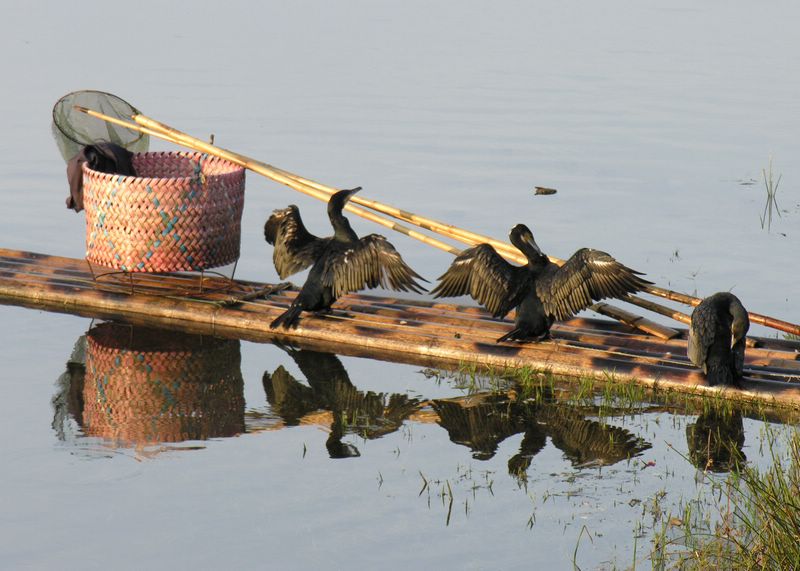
{"points": [[290, 399], [701, 335], [589, 275], [488, 278], [295, 247], [320, 368], [368, 263]]}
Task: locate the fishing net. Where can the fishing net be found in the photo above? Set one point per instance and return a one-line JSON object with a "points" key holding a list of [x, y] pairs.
{"points": [[73, 129]]}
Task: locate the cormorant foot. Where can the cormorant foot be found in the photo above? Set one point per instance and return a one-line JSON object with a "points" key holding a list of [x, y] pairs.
{"points": [[515, 337]]}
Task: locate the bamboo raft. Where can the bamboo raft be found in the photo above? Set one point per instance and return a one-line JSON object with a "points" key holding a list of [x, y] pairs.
{"points": [[388, 328]]}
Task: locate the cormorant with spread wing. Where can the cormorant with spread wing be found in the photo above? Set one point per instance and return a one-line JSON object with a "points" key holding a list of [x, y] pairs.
{"points": [[341, 263], [540, 290], [717, 338]]}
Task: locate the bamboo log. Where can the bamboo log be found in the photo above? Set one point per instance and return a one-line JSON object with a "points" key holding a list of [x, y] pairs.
{"points": [[349, 338], [39, 270], [322, 192], [447, 321], [474, 332], [57, 290], [447, 327]]}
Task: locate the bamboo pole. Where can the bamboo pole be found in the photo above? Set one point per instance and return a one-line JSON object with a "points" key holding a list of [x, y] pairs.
{"points": [[511, 252], [322, 192], [472, 238], [182, 139]]}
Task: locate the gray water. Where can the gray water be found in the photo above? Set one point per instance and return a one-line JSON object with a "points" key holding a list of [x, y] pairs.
{"points": [[653, 123]]}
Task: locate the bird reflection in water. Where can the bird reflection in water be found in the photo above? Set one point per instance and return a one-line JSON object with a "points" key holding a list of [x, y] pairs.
{"points": [[368, 414], [482, 422], [135, 386], [716, 441]]}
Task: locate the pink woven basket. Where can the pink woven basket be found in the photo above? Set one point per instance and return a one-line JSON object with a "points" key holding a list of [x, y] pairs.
{"points": [[182, 212]]}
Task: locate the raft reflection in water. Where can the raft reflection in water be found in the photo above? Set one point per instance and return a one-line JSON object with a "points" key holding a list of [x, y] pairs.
{"points": [[140, 386], [368, 414]]}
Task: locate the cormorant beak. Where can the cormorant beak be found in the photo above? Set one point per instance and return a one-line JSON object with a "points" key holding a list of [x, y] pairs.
{"points": [[528, 239], [739, 330], [338, 200], [349, 193]]}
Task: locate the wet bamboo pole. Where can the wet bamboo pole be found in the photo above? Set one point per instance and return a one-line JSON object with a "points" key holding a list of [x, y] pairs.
{"points": [[322, 192], [154, 128], [511, 252]]}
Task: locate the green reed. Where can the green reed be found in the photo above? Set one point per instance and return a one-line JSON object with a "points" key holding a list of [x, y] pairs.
{"points": [[771, 204], [757, 520]]}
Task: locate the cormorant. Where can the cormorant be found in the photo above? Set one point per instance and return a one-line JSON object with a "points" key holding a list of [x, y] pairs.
{"points": [[482, 422], [717, 338], [369, 414], [716, 441], [541, 291], [341, 263]]}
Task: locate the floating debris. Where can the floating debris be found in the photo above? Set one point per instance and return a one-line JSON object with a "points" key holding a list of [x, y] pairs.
{"points": [[543, 190]]}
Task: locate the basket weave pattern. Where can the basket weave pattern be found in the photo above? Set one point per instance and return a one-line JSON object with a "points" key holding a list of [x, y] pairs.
{"points": [[145, 394], [182, 212]]}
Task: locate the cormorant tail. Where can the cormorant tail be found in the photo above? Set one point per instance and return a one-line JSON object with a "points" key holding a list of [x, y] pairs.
{"points": [[512, 335], [288, 318], [720, 373]]}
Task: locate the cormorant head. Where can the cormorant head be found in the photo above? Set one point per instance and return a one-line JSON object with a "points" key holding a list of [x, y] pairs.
{"points": [[522, 238], [339, 199]]}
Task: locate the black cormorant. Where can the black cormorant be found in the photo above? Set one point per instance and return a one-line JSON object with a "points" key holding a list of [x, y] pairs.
{"points": [[341, 263], [541, 291], [370, 415], [717, 338], [716, 441]]}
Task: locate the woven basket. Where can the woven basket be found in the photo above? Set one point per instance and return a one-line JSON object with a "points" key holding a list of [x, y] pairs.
{"points": [[146, 386], [182, 213]]}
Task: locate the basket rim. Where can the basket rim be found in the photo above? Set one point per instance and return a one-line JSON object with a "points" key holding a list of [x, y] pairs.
{"points": [[236, 170]]}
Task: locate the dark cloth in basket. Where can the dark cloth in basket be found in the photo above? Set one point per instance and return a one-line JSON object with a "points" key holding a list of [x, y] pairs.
{"points": [[103, 157]]}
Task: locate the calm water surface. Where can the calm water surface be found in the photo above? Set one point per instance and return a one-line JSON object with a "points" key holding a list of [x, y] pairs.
{"points": [[653, 124]]}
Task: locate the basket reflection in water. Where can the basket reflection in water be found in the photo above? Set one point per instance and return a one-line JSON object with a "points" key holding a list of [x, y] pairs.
{"points": [[144, 386]]}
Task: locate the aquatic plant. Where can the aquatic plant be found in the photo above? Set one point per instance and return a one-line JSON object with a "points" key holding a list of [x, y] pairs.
{"points": [[757, 520], [771, 204]]}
